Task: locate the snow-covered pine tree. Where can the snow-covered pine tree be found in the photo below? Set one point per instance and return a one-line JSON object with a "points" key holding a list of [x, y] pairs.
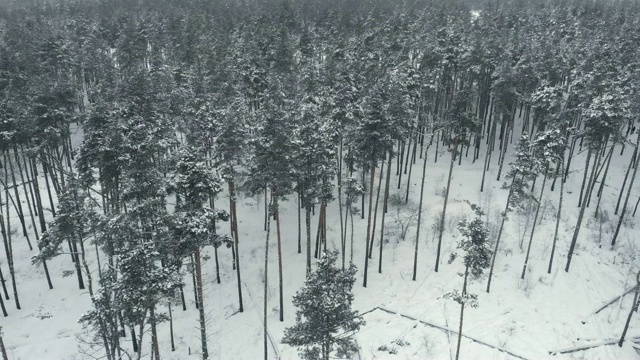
{"points": [[271, 166], [194, 181], [475, 244], [315, 158], [324, 319]]}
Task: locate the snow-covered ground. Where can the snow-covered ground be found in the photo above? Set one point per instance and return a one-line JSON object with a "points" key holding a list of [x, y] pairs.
{"points": [[529, 319]]}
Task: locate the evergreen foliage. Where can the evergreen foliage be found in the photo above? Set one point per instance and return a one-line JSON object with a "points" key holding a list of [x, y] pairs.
{"points": [[325, 322]]}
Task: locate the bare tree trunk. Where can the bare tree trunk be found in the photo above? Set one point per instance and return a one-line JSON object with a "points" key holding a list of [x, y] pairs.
{"points": [[366, 248], [415, 253], [464, 292], [415, 145], [582, 196], [307, 219], [342, 222], [487, 156], [558, 216], [3, 351], [364, 193], [236, 237], [626, 176], [46, 181], [171, 337], [576, 230], [266, 288], [375, 210], [444, 207], [4, 285], [38, 197], [299, 223], [203, 328], [154, 332], [604, 179], [134, 340], [605, 165], [384, 210], [504, 218], [6, 236], [503, 151], [634, 308], [277, 216], [4, 309], [535, 220], [17, 203]]}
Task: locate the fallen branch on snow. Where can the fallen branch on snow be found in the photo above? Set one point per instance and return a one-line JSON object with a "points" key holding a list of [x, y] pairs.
{"points": [[451, 331]]}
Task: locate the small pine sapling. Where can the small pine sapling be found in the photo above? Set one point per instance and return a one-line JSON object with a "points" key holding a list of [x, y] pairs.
{"points": [[477, 255], [325, 322]]}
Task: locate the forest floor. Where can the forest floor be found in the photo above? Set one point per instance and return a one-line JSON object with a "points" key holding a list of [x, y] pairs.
{"points": [[524, 319]]}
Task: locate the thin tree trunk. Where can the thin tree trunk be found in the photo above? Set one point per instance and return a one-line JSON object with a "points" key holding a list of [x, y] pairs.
{"points": [[266, 288], [31, 181], [576, 231], [364, 193], [375, 211], [584, 196], [299, 224], [415, 145], [503, 152], [384, 209], [46, 181], [217, 261], [17, 200], [558, 216], [4, 309], [504, 218], [571, 151], [626, 176], [366, 248], [464, 292], [307, 219], [134, 340], [27, 189], [195, 284], [214, 230], [634, 308], [3, 351], [415, 253], [444, 207], [141, 337], [535, 220], [6, 237], [604, 179], [280, 285], [342, 223], [4, 285], [487, 156], [605, 165], [203, 328], [154, 333], [236, 237], [38, 198], [266, 211], [173, 343]]}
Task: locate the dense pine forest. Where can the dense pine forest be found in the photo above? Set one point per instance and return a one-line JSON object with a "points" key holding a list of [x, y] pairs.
{"points": [[287, 179]]}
